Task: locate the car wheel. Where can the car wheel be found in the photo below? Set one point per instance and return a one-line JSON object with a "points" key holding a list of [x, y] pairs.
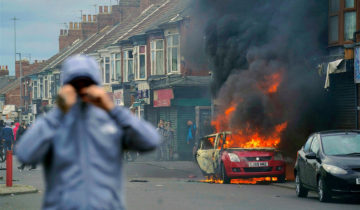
{"points": [[301, 191], [223, 175], [323, 191]]}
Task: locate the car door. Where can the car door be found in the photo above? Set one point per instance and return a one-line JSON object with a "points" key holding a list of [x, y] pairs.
{"points": [[217, 150], [204, 155], [312, 164], [302, 160]]}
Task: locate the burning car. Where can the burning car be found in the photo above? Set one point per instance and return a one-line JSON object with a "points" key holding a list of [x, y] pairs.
{"points": [[217, 158]]}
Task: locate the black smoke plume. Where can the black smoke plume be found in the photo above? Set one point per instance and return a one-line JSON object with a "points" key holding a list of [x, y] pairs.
{"points": [[247, 42]]}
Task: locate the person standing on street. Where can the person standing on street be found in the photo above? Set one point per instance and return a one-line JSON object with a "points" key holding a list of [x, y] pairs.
{"points": [[190, 137], [15, 129], [169, 135], [161, 130], [20, 132], [81, 141], [8, 136]]}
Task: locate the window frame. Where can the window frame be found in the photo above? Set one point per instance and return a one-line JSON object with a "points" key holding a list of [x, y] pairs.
{"points": [[341, 21], [126, 59], [154, 50], [105, 62], [136, 65], [169, 48]]}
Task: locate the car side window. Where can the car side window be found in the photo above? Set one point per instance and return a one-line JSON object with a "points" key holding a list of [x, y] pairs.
{"points": [[207, 143], [308, 143], [220, 141], [315, 146]]}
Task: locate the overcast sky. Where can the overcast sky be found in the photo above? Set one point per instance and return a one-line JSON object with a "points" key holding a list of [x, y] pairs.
{"points": [[38, 27]]}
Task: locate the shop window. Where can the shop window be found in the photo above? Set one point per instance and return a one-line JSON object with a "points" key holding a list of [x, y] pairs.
{"points": [[157, 57], [128, 65], [173, 53]]}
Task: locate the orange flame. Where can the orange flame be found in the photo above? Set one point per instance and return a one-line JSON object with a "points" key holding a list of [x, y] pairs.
{"points": [[251, 138], [241, 181]]}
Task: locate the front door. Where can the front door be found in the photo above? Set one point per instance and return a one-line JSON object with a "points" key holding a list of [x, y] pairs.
{"points": [[205, 155]]}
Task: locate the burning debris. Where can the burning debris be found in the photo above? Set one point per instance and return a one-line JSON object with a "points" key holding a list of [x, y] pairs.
{"points": [[241, 181], [264, 78]]}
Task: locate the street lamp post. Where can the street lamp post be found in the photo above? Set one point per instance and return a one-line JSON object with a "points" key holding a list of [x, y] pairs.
{"points": [[20, 68]]}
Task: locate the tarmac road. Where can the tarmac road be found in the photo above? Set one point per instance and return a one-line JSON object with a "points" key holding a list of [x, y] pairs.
{"points": [[166, 185]]}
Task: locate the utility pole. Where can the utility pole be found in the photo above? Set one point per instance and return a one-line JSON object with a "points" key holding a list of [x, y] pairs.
{"points": [[14, 19], [20, 83]]}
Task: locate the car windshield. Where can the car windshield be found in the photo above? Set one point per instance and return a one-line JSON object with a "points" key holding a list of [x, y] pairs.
{"points": [[342, 144]]}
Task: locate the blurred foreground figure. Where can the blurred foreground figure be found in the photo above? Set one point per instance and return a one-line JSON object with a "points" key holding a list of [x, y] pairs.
{"points": [[81, 142]]}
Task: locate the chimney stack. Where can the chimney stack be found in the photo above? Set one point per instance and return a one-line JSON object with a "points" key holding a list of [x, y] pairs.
{"points": [[89, 18], [71, 26], [6, 68], [100, 9], [80, 24], [84, 18], [94, 18], [106, 9], [75, 25], [61, 32]]}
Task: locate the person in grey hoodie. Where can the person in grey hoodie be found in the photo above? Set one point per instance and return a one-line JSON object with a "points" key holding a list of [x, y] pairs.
{"points": [[81, 141]]}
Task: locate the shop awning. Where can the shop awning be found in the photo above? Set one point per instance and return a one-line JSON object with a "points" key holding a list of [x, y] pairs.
{"points": [[334, 67]]}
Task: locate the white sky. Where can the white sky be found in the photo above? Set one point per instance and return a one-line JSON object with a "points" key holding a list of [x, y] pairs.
{"points": [[38, 27]]}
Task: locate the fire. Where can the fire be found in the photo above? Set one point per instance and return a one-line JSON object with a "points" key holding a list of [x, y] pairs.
{"points": [[251, 137], [272, 82], [241, 181]]}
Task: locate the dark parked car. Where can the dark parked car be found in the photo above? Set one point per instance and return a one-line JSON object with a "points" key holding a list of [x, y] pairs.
{"points": [[329, 163]]}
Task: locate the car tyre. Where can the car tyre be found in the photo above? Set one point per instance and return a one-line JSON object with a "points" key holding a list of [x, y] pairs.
{"points": [[301, 191], [323, 191], [223, 175]]}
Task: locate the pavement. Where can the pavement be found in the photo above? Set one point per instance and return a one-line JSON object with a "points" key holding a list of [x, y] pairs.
{"points": [[16, 189]]}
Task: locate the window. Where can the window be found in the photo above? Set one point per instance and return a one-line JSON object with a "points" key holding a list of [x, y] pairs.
{"points": [[35, 89], [173, 53], [46, 88], [349, 25], [116, 67], [307, 144], [107, 69], [342, 21], [128, 65], [157, 57], [41, 88], [206, 143], [140, 62], [315, 146]]}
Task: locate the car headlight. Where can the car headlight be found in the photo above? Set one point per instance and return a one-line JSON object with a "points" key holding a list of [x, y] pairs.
{"points": [[278, 156], [233, 157], [334, 169]]}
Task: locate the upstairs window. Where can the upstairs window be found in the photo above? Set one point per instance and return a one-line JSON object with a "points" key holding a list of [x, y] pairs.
{"points": [[107, 70], [128, 65], [140, 62], [157, 57], [342, 21], [173, 53], [35, 89], [116, 67]]}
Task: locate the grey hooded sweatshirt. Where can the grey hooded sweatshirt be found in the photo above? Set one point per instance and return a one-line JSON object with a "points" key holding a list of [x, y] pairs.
{"points": [[81, 150]]}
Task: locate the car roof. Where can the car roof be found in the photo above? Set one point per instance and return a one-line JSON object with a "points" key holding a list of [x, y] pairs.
{"points": [[214, 134], [338, 131]]}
